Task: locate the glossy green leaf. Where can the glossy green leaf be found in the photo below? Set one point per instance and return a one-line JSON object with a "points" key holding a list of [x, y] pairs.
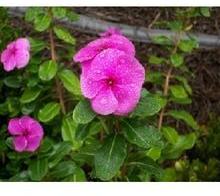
{"points": [[47, 70], [68, 131], [13, 81], [183, 143], [42, 22], [59, 151], [148, 165], [83, 112], [170, 134], [59, 12], [185, 116], [38, 169], [48, 112], [156, 60], [185, 83], [70, 81], [30, 95], [64, 35], [148, 105], [110, 157], [176, 59], [205, 11], [187, 45], [37, 45], [178, 91], [141, 135], [162, 40], [63, 169], [154, 153]]}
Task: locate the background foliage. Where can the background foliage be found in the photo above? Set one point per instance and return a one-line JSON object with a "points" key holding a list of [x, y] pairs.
{"points": [[159, 141]]}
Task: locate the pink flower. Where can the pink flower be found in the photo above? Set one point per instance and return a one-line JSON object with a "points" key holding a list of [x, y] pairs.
{"points": [[27, 133], [16, 55], [111, 77]]}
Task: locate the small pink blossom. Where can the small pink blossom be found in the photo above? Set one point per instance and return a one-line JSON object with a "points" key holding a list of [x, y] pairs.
{"points": [[16, 55], [27, 133], [111, 77]]}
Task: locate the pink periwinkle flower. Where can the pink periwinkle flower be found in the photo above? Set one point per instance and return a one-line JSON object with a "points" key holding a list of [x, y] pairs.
{"points": [[16, 55], [27, 133], [111, 77]]}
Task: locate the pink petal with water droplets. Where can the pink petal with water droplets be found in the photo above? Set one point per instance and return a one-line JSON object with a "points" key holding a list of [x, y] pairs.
{"points": [[105, 102]]}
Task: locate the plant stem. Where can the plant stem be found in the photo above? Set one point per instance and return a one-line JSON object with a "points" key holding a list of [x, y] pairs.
{"points": [[165, 93], [167, 81], [58, 86]]}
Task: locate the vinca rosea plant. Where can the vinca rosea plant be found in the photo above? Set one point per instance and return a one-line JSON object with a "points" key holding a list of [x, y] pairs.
{"points": [[84, 114]]}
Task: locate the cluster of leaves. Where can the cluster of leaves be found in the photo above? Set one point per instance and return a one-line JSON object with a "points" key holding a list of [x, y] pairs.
{"points": [[80, 145]]}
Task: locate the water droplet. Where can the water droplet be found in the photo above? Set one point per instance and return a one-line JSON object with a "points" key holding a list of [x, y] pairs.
{"points": [[103, 101]]}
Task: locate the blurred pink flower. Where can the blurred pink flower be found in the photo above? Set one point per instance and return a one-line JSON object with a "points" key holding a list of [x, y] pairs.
{"points": [[16, 55], [27, 133], [111, 77]]}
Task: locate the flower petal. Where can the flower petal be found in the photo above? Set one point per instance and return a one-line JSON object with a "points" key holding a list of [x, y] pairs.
{"points": [[128, 97], [8, 60], [25, 122], [22, 43], [105, 102], [14, 127], [35, 129], [22, 57], [95, 47], [20, 143], [33, 143]]}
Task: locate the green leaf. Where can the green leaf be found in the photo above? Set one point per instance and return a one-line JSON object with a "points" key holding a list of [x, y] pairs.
{"points": [[59, 12], [63, 169], [148, 105], [175, 25], [64, 35], [32, 13], [48, 112], [77, 176], [170, 134], [110, 157], [13, 81], [156, 60], [205, 11], [60, 150], [155, 77], [183, 143], [188, 45], [68, 131], [141, 135], [38, 169], [70, 81], [185, 83], [176, 59], [37, 45], [72, 16], [83, 113], [30, 95], [185, 116], [154, 153], [162, 40], [42, 22], [47, 70], [148, 165], [178, 91]]}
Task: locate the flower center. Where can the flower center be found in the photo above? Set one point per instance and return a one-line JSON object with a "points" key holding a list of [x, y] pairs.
{"points": [[110, 82]]}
